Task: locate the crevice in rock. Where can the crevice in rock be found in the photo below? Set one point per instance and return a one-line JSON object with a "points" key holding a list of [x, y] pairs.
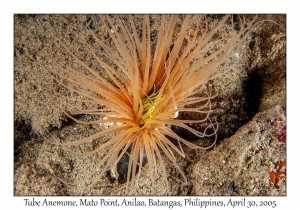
{"points": [[253, 94], [22, 132]]}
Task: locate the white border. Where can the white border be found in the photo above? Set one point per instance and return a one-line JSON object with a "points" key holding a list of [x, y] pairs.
{"points": [[8, 8]]}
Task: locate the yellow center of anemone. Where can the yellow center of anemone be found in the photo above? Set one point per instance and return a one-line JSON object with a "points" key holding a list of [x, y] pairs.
{"points": [[148, 106]]}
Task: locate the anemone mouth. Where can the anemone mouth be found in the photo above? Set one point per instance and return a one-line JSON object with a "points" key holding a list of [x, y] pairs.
{"points": [[148, 106]]}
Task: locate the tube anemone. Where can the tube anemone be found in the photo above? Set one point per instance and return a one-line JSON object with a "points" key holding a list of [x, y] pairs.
{"points": [[147, 85]]}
